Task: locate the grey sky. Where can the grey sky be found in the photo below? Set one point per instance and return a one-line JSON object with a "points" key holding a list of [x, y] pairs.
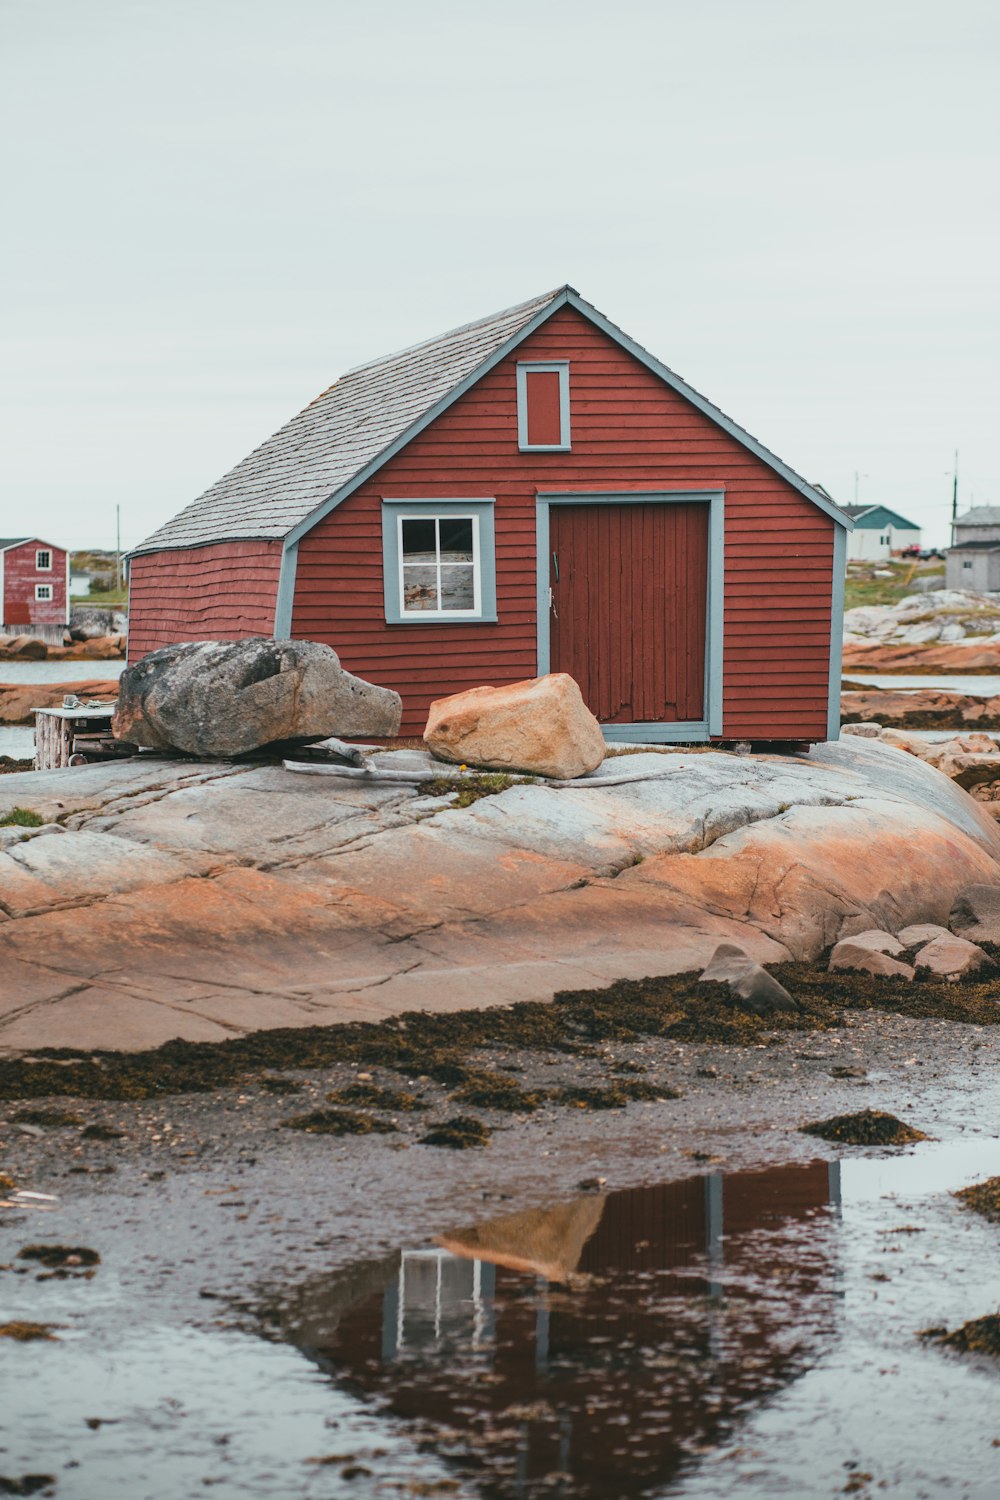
{"points": [[213, 207]]}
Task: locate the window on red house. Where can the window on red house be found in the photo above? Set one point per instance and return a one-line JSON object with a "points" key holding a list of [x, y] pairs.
{"points": [[543, 406], [43, 561]]}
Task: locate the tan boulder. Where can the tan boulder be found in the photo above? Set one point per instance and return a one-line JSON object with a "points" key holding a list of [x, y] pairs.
{"points": [[850, 955], [541, 726], [921, 933], [951, 957], [876, 941]]}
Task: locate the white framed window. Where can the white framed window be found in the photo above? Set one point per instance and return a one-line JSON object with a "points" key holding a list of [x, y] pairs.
{"points": [[438, 560], [543, 406], [43, 561], [967, 563], [43, 591]]}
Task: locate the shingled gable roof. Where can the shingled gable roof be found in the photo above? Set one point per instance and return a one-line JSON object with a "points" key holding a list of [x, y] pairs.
{"points": [[318, 458]]}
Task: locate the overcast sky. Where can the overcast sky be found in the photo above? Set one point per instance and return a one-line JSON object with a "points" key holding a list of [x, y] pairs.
{"points": [[213, 207]]}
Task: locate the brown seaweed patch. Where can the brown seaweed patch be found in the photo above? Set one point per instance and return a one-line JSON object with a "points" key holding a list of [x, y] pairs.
{"points": [[615, 1096], [101, 1132], [459, 1133], [26, 1333], [487, 1091], [56, 1256], [979, 1336], [338, 1122], [7, 1183], [28, 1484], [869, 1127], [47, 1117], [983, 1198], [371, 1096]]}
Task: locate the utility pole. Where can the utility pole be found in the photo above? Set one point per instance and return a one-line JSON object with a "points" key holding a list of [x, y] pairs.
{"points": [[118, 549], [954, 498]]}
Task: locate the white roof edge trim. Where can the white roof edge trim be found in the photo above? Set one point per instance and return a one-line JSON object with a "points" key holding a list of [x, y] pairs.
{"points": [[559, 299], [568, 296]]}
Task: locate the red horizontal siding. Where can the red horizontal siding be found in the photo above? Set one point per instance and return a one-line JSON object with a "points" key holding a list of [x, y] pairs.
{"points": [[225, 592], [18, 606], [629, 432]]}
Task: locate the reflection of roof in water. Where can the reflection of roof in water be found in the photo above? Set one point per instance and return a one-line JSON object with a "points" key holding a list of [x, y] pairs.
{"points": [[694, 1301], [542, 1241]]}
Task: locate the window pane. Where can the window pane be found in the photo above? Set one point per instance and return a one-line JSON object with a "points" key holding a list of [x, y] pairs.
{"points": [[419, 589], [419, 539], [458, 588], [456, 539]]}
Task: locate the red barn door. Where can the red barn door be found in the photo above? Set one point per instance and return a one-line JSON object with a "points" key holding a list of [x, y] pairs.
{"points": [[629, 597]]}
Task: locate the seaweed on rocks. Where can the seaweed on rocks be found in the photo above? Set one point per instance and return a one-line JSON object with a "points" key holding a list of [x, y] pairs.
{"points": [[487, 1091], [55, 1257], [615, 1096], [983, 1198], [978, 1336], [459, 1134], [25, 1333], [438, 1046], [49, 1118], [338, 1122], [371, 1096], [868, 1127]]}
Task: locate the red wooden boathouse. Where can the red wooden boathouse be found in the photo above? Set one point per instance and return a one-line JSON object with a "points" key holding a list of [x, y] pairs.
{"points": [[34, 588], [530, 493]]}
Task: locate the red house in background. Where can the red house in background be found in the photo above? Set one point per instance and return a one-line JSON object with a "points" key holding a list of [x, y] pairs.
{"points": [[530, 493], [34, 588]]}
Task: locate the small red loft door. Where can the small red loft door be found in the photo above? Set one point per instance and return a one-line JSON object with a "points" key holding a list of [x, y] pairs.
{"points": [[629, 595]]}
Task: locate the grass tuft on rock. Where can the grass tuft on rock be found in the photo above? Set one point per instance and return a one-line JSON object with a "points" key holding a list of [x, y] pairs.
{"points": [[338, 1122], [869, 1127], [983, 1198], [978, 1336], [472, 789], [21, 817], [458, 1134]]}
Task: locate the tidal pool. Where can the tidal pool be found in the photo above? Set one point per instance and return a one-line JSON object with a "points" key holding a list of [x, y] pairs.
{"points": [[740, 1333]]}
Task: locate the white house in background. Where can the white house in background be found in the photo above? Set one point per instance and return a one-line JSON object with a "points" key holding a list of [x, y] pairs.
{"points": [[878, 533], [973, 559]]}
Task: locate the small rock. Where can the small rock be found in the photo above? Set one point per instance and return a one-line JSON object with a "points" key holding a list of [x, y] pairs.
{"points": [[747, 980], [976, 914], [951, 957], [920, 933], [850, 955], [875, 941], [863, 731]]}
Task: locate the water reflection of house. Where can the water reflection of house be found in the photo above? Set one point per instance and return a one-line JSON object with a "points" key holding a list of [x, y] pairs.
{"points": [[663, 1314]]}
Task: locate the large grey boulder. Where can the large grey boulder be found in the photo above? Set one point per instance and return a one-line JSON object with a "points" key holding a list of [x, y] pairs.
{"points": [[746, 980], [222, 698]]}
